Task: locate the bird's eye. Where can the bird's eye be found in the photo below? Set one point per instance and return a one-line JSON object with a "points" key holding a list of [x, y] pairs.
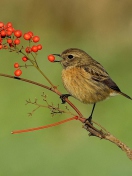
{"points": [[70, 56]]}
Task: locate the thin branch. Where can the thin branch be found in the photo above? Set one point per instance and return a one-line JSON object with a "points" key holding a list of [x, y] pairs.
{"points": [[43, 127], [55, 90], [102, 134], [54, 109]]}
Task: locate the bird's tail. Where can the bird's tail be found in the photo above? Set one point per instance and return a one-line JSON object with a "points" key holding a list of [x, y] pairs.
{"points": [[125, 95]]}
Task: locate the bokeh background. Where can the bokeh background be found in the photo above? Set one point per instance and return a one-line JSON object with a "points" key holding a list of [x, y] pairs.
{"points": [[104, 30]]}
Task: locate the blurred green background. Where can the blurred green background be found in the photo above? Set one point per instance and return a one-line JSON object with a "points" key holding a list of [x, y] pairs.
{"points": [[104, 30]]}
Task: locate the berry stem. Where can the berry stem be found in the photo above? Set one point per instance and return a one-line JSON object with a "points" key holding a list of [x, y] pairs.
{"points": [[37, 67], [34, 59]]}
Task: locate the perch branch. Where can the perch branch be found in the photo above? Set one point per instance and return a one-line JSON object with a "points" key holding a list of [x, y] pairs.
{"points": [[102, 134]]}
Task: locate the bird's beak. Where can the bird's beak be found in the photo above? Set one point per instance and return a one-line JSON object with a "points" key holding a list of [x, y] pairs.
{"points": [[58, 56]]}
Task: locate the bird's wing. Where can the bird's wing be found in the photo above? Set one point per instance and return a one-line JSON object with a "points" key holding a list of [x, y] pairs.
{"points": [[98, 73]]}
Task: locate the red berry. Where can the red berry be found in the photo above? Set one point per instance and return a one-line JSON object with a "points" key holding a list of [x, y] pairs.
{"points": [[18, 33], [39, 47], [16, 65], [17, 41], [36, 39], [28, 50], [24, 58], [51, 58], [11, 29], [30, 33], [8, 33], [27, 36], [34, 48], [9, 40], [1, 46], [11, 45], [1, 24], [3, 33], [9, 24], [18, 72]]}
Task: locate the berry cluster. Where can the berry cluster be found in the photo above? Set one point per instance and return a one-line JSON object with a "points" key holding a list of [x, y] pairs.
{"points": [[10, 38]]}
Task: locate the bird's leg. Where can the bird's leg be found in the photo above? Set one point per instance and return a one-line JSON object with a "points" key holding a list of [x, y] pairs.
{"points": [[90, 117], [63, 96]]}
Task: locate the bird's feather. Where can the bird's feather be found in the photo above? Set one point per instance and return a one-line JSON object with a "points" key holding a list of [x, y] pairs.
{"points": [[99, 74]]}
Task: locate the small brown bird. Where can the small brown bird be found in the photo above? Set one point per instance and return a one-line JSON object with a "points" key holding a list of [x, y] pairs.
{"points": [[86, 79]]}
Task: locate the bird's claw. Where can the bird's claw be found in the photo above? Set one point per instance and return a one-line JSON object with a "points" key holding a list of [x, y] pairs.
{"points": [[63, 96], [89, 119]]}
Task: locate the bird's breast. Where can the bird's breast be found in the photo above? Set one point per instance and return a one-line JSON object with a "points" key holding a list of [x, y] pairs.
{"points": [[80, 85]]}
